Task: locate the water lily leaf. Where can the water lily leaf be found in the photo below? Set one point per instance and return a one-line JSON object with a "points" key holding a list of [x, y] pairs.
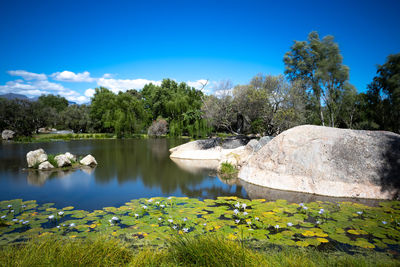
{"points": [[361, 242]]}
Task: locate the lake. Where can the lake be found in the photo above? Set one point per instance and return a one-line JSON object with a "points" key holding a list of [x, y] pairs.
{"points": [[127, 169]]}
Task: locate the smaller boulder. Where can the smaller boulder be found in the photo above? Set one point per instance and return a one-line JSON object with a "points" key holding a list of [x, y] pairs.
{"points": [[253, 145], [45, 166], [89, 160], [264, 140], [7, 134], [70, 156], [62, 160], [36, 157]]}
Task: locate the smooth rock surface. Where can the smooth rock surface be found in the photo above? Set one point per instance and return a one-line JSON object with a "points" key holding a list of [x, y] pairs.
{"points": [[89, 160], [45, 166], [329, 161], [70, 156], [36, 157], [62, 160], [7, 134]]}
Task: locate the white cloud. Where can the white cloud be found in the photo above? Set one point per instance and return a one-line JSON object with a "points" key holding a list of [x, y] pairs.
{"points": [[199, 84], [27, 75], [37, 84], [89, 92], [69, 76], [117, 85], [107, 75]]}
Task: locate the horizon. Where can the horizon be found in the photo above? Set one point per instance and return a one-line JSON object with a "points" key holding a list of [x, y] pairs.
{"points": [[69, 48]]}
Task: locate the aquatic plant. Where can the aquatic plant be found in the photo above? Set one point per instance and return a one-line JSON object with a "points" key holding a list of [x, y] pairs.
{"points": [[145, 221]]}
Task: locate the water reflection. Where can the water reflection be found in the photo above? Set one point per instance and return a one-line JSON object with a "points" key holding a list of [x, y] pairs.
{"points": [[127, 169]]}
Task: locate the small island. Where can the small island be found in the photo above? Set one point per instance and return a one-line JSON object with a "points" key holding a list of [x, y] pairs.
{"points": [[39, 160]]}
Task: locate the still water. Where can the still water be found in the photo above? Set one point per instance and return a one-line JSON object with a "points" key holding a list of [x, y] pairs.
{"points": [[127, 169]]}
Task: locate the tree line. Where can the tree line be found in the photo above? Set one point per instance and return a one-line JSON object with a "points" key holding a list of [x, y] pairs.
{"points": [[314, 89]]}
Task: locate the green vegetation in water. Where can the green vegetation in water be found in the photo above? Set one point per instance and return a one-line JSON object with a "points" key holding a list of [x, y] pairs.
{"points": [[228, 169], [152, 222], [50, 158]]}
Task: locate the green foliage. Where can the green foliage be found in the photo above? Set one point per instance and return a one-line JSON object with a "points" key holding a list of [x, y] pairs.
{"points": [[381, 109], [207, 250], [227, 168], [17, 115], [122, 114], [179, 104], [57, 102], [318, 64], [50, 158], [48, 251], [77, 118]]}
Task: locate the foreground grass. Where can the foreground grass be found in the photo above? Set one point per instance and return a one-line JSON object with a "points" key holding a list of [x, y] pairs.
{"points": [[180, 251]]}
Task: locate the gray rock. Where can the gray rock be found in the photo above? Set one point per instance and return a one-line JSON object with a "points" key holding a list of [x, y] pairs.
{"points": [[62, 160], [45, 166], [7, 134], [36, 157], [264, 140], [329, 161], [253, 145], [89, 160], [235, 142]]}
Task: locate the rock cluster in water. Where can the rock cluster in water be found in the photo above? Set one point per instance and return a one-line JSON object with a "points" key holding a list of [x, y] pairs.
{"points": [[39, 158]]}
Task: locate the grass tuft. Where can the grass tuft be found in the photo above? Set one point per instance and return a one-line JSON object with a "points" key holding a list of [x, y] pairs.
{"points": [[227, 168], [50, 158]]}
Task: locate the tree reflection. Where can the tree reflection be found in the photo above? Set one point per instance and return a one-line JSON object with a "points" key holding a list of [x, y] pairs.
{"points": [[148, 160]]}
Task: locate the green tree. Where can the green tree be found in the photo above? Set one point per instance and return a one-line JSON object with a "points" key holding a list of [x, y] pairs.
{"points": [[17, 115], [318, 64], [77, 118], [179, 104], [57, 102], [383, 96]]}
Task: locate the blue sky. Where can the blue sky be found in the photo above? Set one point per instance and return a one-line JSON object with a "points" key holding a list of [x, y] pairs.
{"points": [[71, 47]]}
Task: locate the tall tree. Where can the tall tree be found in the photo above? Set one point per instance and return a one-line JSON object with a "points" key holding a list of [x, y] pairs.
{"points": [[383, 96], [318, 64]]}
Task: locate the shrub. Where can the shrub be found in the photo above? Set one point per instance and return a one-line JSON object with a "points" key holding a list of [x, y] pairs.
{"points": [[227, 168], [158, 128]]}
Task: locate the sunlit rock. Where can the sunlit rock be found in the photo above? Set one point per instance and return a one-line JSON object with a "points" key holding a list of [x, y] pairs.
{"points": [[45, 166], [36, 157], [62, 160], [89, 160], [70, 156], [329, 161]]}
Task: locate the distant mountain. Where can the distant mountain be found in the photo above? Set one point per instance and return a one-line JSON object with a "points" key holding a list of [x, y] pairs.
{"points": [[14, 96], [11, 96]]}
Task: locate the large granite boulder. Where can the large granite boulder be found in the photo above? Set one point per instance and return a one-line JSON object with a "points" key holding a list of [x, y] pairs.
{"points": [[62, 160], [89, 160], [36, 157], [329, 161], [7, 134]]}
